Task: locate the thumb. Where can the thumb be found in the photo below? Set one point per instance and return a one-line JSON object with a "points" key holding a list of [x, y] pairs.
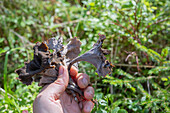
{"points": [[63, 77], [59, 86]]}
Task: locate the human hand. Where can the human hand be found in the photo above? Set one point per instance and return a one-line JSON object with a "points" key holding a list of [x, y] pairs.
{"points": [[54, 99]]}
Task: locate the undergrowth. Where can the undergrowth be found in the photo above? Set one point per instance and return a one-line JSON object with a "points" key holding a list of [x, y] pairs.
{"points": [[137, 34]]}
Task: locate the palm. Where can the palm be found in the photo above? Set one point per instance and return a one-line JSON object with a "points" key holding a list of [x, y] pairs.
{"points": [[54, 99], [68, 104]]}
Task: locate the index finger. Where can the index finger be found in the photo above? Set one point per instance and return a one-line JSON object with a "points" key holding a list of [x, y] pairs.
{"points": [[73, 71]]}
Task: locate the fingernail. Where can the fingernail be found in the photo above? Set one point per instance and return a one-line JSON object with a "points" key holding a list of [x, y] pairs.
{"points": [[91, 92], [85, 82], [61, 70]]}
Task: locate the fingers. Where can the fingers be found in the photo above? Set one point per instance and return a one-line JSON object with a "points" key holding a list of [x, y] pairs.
{"points": [[73, 71], [87, 106], [82, 80], [89, 93]]}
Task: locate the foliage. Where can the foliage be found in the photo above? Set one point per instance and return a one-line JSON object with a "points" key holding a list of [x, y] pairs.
{"points": [[137, 34]]}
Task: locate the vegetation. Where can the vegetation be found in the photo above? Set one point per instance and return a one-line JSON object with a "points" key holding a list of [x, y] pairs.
{"points": [[137, 34]]}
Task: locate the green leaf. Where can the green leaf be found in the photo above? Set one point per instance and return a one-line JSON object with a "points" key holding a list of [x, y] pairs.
{"points": [[158, 69], [22, 24], [153, 54], [92, 4], [146, 3], [155, 8], [127, 5], [122, 111], [166, 83], [1, 40], [164, 52], [164, 79], [115, 110], [103, 102], [99, 96], [2, 51]]}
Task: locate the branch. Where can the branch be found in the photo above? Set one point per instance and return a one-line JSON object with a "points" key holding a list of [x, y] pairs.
{"points": [[118, 24], [69, 32], [141, 66], [23, 39], [159, 21], [65, 23]]}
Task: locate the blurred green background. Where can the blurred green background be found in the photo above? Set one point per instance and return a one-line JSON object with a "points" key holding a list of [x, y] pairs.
{"points": [[138, 35]]}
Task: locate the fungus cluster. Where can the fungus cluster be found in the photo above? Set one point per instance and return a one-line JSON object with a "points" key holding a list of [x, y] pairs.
{"points": [[50, 54]]}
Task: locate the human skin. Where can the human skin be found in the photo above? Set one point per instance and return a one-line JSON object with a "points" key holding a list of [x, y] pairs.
{"points": [[54, 99]]}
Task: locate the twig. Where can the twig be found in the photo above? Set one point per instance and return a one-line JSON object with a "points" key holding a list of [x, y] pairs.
{"points": [[137, 61], [138, 24], [159, 21], [23, 39], [141, 66], [167, 87], [118, 24], [69, 32], [132, 26], [136, 57], [111, 86], [148, 87], [58, 33], [65, 23], [130, 55], [133, 80], [135, 12], [134, 31], [117, 43]]}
